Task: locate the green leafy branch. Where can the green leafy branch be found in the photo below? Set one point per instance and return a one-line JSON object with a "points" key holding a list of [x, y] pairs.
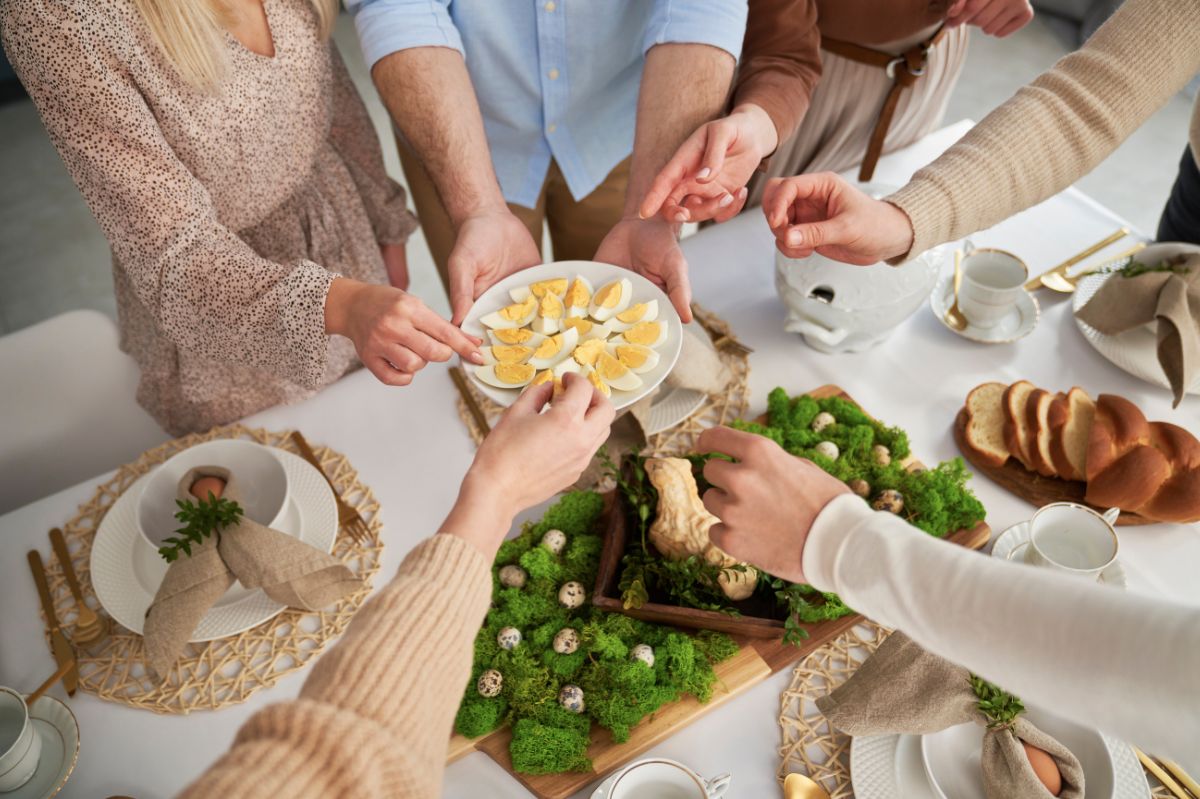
{"points": [[200, 520], [1131, 267], [1000, 707]]}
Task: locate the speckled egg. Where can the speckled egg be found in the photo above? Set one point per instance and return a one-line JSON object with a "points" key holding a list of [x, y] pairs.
{"points": [[571, 698], [881, 454], [828, 449], [554, 540], [890, 500], [571, 595], [860, 487], [644, 653], [566, 641], [513, 576], [509, 638], [822, 420], [490, 683]]}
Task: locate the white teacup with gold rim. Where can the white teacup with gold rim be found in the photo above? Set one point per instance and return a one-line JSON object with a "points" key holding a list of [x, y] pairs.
{"points": [[1073, 539], [660, 778], [992, 282], [20, 745]]}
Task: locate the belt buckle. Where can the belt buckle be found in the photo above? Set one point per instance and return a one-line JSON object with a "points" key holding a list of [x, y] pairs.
{"points": [[899, 60]]}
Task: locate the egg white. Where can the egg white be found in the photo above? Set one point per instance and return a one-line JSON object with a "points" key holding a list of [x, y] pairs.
{"points": [[569, 365], [570, 337], [651, 357], [488, 375], [581, 310], [617, 326], [495, 321], [625, 379], [597, 329], [603, 314], [545, 325]]}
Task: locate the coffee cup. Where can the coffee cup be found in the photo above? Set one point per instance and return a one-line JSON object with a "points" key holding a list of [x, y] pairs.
{"points": [[992, 282], [20, 745], [665, 779], [1073, 539]]}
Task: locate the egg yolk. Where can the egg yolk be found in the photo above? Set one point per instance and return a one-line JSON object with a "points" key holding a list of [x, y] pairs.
{"points": [[633, 357], [518, 310], [549, 347], [556, 285], [595, 380], [552, 307], [542, 377], [511, 353], [580, 324], [644, 333], [610, 295], [609, 367], [514, 373], [513, 335], [577, 295], [587, 352], [634, 314]]}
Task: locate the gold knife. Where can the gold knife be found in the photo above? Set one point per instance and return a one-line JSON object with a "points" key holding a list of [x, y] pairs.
{"points": [[1177, 771], [1062, 268], [1162, 776], [63, 653]]}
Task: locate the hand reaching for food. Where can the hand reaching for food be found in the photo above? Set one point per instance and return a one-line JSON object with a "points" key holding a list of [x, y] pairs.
{"points": [[650, 247], [996, 18]]}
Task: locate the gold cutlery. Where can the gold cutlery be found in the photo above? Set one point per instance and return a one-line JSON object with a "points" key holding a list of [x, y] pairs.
{"points": [[89, 627], [460, 382], [798, 786], [349, 519], [954, 317], [1166, 779], [1113, 237], [63, 654], [48, 684], [1181, 775], [1067, 284]]}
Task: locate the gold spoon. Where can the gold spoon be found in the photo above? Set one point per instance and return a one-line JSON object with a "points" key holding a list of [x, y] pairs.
{"points": [[1066, 284], [954, 317], [798, 786]]}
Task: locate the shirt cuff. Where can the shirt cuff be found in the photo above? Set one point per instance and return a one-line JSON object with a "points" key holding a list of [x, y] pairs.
{"points": [[827, 537], [384, 29], [930, 211], [718, 24]]}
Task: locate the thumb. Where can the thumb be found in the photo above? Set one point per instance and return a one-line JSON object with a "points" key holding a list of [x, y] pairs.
{"points": [[532, 400], [679, 290], [462, 285]]}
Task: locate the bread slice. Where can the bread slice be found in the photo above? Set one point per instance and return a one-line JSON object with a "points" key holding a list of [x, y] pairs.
{"points": [[1037, 417], [1071, 417], [1016, 428], [985, 423]]}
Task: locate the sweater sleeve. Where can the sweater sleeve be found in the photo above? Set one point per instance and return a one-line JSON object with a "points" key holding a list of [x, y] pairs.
{"points": [[353, 136], [375, 716], [1058, 642], [781, 61], [1058, 128]]}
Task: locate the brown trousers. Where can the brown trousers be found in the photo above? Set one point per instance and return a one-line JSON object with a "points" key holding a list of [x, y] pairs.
{"points": [[576, 227]]}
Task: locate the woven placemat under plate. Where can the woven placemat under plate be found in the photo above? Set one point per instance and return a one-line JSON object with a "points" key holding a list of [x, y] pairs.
{"points": [[227, 671], [810, 746], [716, 410]]}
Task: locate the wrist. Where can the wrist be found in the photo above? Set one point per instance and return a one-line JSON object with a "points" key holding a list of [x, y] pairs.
{"points": [[485, 204], [901, 229], [481, 515], [760, 126], [338, 299]]}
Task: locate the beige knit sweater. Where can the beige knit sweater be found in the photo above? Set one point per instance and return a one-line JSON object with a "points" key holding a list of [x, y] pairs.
{"points": [[1058, 128]]}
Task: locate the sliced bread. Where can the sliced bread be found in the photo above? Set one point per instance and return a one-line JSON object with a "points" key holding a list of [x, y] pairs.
{"points": [[1037, 417], [1071, 418], [1016, 426], [985, 423]]}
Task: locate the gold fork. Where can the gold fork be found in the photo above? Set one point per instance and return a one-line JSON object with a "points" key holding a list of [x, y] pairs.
{"points": [[349, 519], [1166, 778], [89, 627]]}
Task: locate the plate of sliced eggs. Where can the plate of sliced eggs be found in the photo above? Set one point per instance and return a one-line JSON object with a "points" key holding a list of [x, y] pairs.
{"points": [[606, 323]]}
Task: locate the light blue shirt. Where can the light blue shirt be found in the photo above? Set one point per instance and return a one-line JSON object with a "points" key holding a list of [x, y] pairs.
{"points": [[555, 78]]}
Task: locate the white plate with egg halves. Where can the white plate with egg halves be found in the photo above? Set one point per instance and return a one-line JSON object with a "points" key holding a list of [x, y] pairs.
{"points": [[609, 324]]}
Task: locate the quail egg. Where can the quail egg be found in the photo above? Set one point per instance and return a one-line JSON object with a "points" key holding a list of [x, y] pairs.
{"points": [[555, 285], [490, 683], [881, 454], [571, 595], [644, 653], [610, 300], [638, 312], [579, 297], [637, 358], [571, 698], [516, 315], [506, 375], [566, 641], [554, 348], [828, 449], [822, 420], [648, 334], [616, 374], [554, 540], [509, 638], [513, 576], [860, 487], [890, 500]]}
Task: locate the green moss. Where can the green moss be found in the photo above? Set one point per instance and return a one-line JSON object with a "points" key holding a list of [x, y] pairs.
{"points": [[479, 716], [541, 749]]}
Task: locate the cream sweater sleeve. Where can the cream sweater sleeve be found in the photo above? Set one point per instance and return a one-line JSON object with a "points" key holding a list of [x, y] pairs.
{"points": [[375, 716], [1082, 650], [1058, 128]]}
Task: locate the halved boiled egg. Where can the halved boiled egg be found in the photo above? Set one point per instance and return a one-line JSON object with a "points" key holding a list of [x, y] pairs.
{"points": [[594, 378], [554, 348], [506, 353], [588, 328], [647, 334], [550, 314], [578, 297], [555, 285], [569, 365], [506, 375], [516, 315], [638, 312], [616, 374], [588, 351], [635, 357], [610, 300], [515, 335]]}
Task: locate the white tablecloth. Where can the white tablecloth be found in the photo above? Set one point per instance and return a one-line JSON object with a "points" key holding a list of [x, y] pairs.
{"points": [[410, 447]]}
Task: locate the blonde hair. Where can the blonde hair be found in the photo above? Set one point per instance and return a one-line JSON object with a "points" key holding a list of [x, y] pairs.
{"points": [[190, 33]]}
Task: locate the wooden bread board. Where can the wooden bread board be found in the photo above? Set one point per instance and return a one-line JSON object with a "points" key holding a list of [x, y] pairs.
{"points": [[1031, 486]]}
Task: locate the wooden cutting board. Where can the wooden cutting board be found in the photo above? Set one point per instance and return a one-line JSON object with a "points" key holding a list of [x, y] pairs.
{"points": [[756, 660]]}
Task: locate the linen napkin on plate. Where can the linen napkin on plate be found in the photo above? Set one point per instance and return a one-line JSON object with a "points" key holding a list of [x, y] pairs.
{"points": [[1171, 297], [904, 689], [287, 569]]}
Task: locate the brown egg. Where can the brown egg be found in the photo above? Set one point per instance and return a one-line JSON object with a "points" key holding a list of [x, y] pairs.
{"points": [[1044, 767], [207, 485]]}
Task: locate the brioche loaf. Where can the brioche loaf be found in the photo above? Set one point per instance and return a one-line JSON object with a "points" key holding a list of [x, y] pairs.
{"points": [[1070, 426], [1037, 422], [1016, 425], [985, 423]]}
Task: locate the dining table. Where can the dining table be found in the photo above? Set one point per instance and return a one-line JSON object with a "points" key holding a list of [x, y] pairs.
{"points": [[412, 448]]}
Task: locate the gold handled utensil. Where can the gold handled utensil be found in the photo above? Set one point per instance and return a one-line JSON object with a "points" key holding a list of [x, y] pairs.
{"points": [[464, 391], [954, 317], [1111, 238], [44, 687], [63, 654], [89, 626], [349, 519], [1066, 284], [1158, 771], [798, 786], [1184, 778]]}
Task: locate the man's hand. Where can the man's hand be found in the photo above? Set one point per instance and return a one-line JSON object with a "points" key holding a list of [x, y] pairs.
{"points": [[650, 247], [395, 260], [767, 500], [490, 245], [994, 17], [823, 212], [707, 176]]}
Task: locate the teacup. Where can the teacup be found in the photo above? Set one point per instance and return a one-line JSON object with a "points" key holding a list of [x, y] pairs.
{"points": [[992, 282], [1073, 539], [20, 746], [666, 779]]}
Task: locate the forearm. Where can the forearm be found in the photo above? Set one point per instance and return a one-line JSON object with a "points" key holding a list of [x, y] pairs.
{"points": [[781, 62], [1055, 641]]}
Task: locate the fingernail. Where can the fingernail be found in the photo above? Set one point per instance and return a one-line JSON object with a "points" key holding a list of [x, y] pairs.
{"points": [[682, 216], [640, 214], [726, 201], [703, 173], [742, 192], [795, 238], [477, 357]]}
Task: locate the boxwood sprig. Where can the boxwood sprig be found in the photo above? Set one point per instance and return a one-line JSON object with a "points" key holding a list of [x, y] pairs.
{"points": [[200, 520]]}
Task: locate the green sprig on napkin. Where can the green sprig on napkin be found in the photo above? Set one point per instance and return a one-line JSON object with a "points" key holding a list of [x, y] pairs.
{"points": [[200, 520], [999, 706]]}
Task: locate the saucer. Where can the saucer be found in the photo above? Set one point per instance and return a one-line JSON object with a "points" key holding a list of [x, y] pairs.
{"points": [[55, 724], [1017, 324], [1013, 542]]}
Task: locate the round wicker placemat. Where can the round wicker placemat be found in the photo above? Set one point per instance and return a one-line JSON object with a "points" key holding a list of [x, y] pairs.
{"points": [[810, 746], [227, 671]]}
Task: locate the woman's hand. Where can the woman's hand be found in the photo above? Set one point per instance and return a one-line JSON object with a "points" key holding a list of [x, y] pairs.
{"points": [[994, 17], [823, 212], [529, 457], [707, 176], [767, 500], [395, 260], [395, 333]]}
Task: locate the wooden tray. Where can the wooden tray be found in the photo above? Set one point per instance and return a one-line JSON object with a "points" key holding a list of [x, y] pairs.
{"points": [[1031, 486]]}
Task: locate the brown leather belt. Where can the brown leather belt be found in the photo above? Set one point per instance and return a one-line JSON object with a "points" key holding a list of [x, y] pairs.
{"points": [[903, 69]]}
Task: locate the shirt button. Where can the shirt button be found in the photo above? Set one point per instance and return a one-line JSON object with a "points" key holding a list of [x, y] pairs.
{"points": [[551, 128], [550, 6], [553, 74]]}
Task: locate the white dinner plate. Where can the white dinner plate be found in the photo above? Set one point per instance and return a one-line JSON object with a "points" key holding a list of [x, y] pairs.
{"points": [[127, 570], [55, 724], [1013, 544], [598, 275]]}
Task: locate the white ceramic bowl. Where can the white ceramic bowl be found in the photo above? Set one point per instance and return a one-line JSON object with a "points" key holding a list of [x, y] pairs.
{"points": [[262, 482], [598, 275]]}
